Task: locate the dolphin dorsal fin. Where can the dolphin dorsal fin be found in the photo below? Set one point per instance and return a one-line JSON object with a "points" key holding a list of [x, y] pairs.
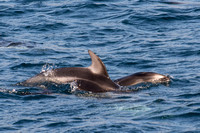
{"points": [[97, 65]]}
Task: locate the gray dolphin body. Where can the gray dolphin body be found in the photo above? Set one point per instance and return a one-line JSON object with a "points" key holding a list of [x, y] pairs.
{"points": [[93, 78]]}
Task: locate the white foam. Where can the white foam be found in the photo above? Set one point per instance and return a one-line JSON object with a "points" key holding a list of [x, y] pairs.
{"points": [[73, 86], [48, 67]]}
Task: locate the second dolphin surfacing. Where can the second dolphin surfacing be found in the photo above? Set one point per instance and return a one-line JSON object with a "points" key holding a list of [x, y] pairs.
{"points": [[142, 77], [93, 78]]}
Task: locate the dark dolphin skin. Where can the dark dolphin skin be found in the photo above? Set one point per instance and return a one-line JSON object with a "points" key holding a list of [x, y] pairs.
{"points": [[93, 78]]}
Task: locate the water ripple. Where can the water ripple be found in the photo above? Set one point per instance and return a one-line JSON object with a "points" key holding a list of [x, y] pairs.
{"points": [[129, 36]]}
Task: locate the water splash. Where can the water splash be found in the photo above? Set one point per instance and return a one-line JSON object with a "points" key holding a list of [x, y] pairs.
{"points": [[48, 67], [73, 86], [8, 91], [135, 88]]}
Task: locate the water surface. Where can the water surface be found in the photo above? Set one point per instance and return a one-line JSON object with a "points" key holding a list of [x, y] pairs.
{"points": [[129, 36]]}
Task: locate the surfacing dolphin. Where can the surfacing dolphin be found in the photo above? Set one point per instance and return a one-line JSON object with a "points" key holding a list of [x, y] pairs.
{"points": [[142, 77], [93, 78]]}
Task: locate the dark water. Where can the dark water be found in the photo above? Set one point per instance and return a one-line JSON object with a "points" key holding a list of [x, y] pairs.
{"points": [[129, 36]]}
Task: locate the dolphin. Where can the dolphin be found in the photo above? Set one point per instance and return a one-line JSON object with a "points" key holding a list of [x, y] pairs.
{"points": [[94, 78], [142, 77]]}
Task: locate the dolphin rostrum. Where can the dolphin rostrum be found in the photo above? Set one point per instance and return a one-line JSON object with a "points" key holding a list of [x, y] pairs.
{"points": [[93, 78]]}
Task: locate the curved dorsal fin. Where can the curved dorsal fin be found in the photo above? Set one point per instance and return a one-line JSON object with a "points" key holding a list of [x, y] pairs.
{"points": [[97, 65]]}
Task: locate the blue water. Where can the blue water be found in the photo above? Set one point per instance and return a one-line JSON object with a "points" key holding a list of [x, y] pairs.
{"points": [[129, 36]]}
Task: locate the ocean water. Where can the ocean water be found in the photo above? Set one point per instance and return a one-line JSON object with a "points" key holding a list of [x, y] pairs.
{"points": [[129, 36]]}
